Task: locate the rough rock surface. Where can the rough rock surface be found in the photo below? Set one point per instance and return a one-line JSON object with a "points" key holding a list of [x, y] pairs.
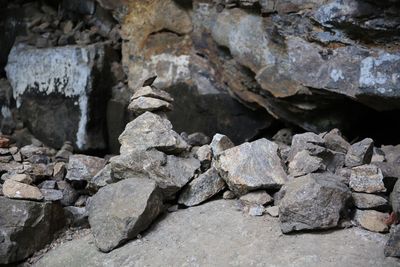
{"points": [[392, 248], [17, 190], [313, 202], [83, 168], [119, 212], [64, 84], [251, 166], [303, 163], [26, 227], [360, 153], [260, 236], [372, 220], [202, 188], [220, 143], [369, 201], [143, 104], [367, 178], [170, 172], [151, 131]]}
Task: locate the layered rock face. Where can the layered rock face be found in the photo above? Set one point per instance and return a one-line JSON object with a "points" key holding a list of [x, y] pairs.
{"points": [[297, 59]]}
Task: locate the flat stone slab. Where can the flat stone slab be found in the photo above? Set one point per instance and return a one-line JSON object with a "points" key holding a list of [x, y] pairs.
{"points": [[217, 234]]}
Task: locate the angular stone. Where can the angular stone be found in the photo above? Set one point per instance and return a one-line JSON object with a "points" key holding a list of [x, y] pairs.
{"points": [[367, 178], [17, 190], [70, 195], [22, 178], [259, 197], [392, 153], [305, 202], [59, 171], [101, 179], [149, 91], [32, 150], [48, 184], [251, 166], [335, 141], [26, 227], [283, 136], [273, 211], [378, 155], [220, 143], [119, 212], [303, 163], [395, 198], [52, 194], [170, 172], [311, 142], [360, 153], [228, 195], [142, 104], [372, 220], [151, 131], [202, 188], [256, 210], [198, 139], [71, 82], [83, 168], [392, 247], [369, 201]]}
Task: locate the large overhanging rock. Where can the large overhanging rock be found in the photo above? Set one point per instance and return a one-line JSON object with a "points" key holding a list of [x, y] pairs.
{"points": [[299, 61], [251, 166], [63, 85], [26, 227]]}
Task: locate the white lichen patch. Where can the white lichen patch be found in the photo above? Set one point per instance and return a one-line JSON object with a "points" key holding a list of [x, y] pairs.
{"points": [[370, 75], [336, 75], [62, 70]]}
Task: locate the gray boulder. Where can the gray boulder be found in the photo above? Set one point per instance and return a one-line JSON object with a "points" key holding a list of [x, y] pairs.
{"points": [[83, 168], [312, 202], [334, 141], [311, 142], [77, 217], [62, 84], [251, 166], [360, 153], [26, 227], [171, 173], [392, 248], [220, 143], [303, 163], [119, 212], [151, 131], [153, 92], [202, 188], [142, 104]]}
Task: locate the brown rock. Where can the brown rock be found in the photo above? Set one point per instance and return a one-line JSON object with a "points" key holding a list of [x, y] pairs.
{"points": [[22, 178], [259, 197], [17, 190], [367, 178], [372, 220]]}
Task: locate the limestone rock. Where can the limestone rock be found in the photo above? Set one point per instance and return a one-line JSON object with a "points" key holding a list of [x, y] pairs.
{"points": [[71, 82], [392, 248], [26, 227], [83, 168], [367, 178], [303, 163], [119, 212], [257, 197], [312, 202], [360, 153], [372, 220], [170, 172], [151, 131], [220, 143], [202, 188], [369, 201], [142, 104], [17, 190], [251, 166], [150, 91]]}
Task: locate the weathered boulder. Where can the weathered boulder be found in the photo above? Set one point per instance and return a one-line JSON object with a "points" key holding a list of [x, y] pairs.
{"points": [[313, 202], [251, 166], [202, 188], [367, 178], [119, 212], [360, 153], [83, 167], [372, 220], [171, 173], [151, 131], [26, 227], [142, 104], [152, 92], [369, 201], [63, 84], [17, 190]]}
